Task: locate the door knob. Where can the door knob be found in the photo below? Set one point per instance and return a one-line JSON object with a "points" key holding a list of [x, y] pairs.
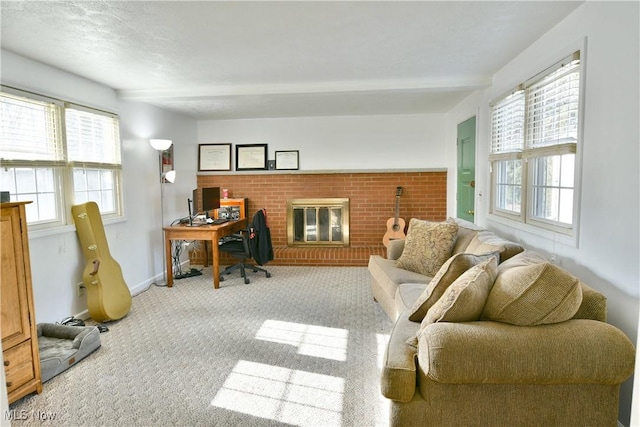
{"points": [[471, 212]]}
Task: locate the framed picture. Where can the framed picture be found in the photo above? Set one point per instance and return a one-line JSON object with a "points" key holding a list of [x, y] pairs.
{"points": [[167, 162], [251, 157], [214, 157], [287, 160]]}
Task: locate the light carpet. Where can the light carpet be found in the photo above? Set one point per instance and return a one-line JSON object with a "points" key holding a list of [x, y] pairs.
{"points": [[303, 347]]}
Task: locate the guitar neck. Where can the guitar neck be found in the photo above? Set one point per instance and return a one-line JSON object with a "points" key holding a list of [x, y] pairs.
{"points": [[397, 210]]}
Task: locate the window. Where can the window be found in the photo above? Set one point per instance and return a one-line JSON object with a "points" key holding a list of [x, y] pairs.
{"points": [[58, 154], [93, 146], [534, 140]]}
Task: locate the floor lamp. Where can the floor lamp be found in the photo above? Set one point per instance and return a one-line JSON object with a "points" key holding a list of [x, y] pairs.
{"points": [[170, 176]]}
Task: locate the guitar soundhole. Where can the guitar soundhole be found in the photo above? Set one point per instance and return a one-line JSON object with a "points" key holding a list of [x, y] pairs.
{"points": [[396, 227]]}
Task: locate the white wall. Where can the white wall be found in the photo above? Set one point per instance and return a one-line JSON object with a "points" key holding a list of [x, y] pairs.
{"points": [[341, 143], [135, 243], [609, 247], [635, 404], [140, 238]]}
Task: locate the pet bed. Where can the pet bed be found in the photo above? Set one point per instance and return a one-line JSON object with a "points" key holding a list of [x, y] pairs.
{"points": [[63, 346]]}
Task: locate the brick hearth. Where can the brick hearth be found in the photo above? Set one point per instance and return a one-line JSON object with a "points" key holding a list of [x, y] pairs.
{"points": [[372, 200]]}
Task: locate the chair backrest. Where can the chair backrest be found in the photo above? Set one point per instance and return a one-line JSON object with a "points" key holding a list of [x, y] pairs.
{"points": [[260, 238]]}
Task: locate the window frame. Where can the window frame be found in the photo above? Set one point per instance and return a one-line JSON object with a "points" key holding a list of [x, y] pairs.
{"points": [[525, 219], [64, 191]]}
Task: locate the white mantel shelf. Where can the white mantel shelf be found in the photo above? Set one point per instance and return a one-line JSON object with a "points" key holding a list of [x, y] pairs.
{"points": [[319, 172]]}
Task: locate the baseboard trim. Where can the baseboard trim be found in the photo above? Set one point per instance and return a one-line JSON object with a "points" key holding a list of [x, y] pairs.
{"points": [[84, 315], [158, 279]]}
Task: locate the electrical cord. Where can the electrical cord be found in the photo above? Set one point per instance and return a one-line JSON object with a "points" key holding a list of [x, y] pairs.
{"points": [[177, 269], [178, 247], [177, 252]]}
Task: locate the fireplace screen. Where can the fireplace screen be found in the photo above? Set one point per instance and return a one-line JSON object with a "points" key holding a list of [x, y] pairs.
{"points": [[318, 222]]}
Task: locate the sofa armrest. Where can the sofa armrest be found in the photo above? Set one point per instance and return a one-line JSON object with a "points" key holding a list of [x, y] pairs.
{"points": [[577, 351], [395, 248], [398, 379]]}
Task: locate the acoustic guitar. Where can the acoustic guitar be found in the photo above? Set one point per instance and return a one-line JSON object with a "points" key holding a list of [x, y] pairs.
{"points": [[395, 225], [108, 296]]}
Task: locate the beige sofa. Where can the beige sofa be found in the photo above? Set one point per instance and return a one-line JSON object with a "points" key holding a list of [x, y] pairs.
{"points": [[530, 346]]}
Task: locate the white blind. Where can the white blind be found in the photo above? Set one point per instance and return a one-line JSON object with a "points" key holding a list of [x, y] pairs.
{"points": [[552, 108], [507, 124], [92, 138], [29, 130]]}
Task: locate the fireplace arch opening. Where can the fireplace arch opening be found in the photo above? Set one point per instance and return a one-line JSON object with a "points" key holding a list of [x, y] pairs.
{"points": [[318, 222]]}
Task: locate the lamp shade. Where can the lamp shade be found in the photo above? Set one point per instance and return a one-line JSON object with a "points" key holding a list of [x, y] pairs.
{"points": [[160, 144], [170, 176]]}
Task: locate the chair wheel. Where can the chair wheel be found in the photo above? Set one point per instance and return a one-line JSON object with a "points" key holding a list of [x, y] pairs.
{"points": [[246, 281], [268, 274]]}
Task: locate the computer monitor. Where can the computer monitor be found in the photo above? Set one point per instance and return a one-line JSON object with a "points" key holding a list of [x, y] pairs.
{"points": [[210, 199], [194, 203], [190, 211]]}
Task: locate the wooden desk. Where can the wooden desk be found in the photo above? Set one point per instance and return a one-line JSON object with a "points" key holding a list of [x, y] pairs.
{"points": [[204, 232]]}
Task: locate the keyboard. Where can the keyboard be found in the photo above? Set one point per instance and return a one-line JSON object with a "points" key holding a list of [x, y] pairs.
{"points": [[219, 221]]}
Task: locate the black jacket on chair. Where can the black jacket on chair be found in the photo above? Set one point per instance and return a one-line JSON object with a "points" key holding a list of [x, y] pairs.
{"points": [[260, 239]]}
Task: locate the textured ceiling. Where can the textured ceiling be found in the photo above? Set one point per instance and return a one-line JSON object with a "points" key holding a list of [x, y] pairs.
{"points": [[281, 59]]}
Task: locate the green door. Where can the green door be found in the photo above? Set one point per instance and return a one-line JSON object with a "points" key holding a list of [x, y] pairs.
{"points": [[466, 169]]}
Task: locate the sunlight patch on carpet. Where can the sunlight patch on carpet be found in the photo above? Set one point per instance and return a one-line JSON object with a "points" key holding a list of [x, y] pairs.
{"points": [[311, 340], [282, 394]]}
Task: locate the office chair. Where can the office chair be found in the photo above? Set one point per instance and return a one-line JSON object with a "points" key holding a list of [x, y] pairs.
{"points": [[253, 242]]}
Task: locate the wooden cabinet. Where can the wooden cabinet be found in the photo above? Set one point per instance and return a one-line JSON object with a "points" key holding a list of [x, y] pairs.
{"points": [[232, 209], [18, 323]]}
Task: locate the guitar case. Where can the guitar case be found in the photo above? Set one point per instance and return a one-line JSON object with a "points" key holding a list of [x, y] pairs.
{"points": [[108, 296]]}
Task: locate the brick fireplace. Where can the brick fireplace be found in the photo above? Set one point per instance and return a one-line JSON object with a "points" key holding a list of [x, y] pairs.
{"points": [[372, 202]]}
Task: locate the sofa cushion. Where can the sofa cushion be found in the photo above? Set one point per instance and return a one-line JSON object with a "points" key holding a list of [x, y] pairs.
{"points": [[531, 291], [466, 232], [486, 241], [464, 299], [453, 268], [388, 268], [427, 246], [385, 278], [407, 294]]}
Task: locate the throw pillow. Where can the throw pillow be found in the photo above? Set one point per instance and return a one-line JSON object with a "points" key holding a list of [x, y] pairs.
{"points": [[464, 299], [487, 241], [453, 268], [530, 292], [427, 246]]}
